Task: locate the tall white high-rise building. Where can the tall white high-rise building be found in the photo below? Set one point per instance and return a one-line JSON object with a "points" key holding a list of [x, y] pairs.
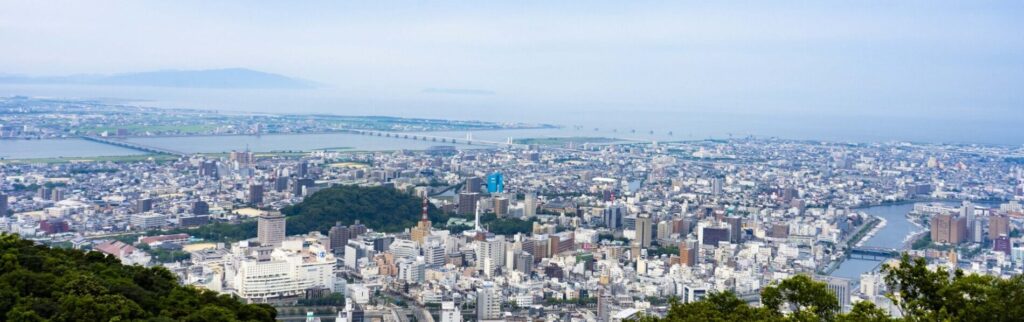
{"points": [[434, 254], [412, 271], [530, 204], [490, 255], [716, 185], [869, 285], [351, 257], [967, 211], [488, 302]]}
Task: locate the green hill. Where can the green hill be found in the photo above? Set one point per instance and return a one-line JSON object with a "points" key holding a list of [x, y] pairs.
{"points": [[38, 283], [379, 208]]}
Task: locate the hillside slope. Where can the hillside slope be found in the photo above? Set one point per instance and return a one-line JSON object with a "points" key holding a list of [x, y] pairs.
{"points": [[41, 283]]}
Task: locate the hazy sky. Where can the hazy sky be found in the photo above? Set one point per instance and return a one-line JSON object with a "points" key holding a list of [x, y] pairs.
{"points": [[951, 60]]}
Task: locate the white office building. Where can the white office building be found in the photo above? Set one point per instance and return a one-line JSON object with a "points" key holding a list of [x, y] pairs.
{"points": [[488, 302], [287, 273]]}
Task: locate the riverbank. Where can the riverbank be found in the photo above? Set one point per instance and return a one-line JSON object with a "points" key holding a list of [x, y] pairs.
{"points": [[913, 237], [891, 235], [876, 226], [864, 232], [927, 200]]}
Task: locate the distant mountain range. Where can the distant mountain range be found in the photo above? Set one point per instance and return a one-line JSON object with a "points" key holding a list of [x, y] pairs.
{"points": [[238, 78]]}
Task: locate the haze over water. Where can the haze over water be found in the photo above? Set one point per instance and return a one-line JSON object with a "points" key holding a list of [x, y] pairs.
{"points": [[685, 122], [929, 71]]}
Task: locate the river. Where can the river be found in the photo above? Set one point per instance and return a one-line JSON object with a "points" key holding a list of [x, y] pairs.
{"points": [[893, 235], [52, 148], [55, 148]]}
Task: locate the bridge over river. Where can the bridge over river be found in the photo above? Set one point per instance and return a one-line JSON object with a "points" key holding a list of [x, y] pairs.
{"points": [[133, 146], [873, 253]]}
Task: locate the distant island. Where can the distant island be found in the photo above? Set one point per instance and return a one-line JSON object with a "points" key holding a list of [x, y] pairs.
{"points": [[227, 78]]}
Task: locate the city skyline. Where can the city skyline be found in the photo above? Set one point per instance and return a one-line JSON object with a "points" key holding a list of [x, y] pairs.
{"points": [[595, 161]]}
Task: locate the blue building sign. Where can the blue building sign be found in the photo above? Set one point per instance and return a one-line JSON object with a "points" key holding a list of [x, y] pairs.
{"points": [[495, 183]]}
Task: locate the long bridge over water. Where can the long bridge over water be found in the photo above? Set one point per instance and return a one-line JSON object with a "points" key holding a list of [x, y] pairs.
{"points": [[873, 253], [469, 140], [133, 146]]}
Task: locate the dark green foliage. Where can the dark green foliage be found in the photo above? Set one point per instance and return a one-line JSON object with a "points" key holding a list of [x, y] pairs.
{"points": [[804, 296], [612, 238], [922, 242], [716, 307], [509, 226], [218, 232], [927, 295], [663, 250], [577, 301], [336, 299], [39, 283], [920, 293], [379, 208], [165, 255], [92, 171]]}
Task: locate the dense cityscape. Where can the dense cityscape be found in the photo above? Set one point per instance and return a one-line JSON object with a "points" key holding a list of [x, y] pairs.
{"points": [[511, 161], [565, 230]]}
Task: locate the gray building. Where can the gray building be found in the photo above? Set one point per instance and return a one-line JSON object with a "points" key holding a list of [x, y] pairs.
{"points": [[643, 230], [255, 194], [467, 202], [271, 229]]}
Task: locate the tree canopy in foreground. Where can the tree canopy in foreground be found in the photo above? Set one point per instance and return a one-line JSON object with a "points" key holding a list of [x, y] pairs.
{"points": [[39, 283], [920, 293]]}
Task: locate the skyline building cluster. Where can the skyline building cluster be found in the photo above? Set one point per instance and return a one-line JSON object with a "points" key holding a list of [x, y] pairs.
{"points": [[590, 233]]}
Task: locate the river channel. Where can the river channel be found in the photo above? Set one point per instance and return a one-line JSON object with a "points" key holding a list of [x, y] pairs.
{"points": [[893, 235]]}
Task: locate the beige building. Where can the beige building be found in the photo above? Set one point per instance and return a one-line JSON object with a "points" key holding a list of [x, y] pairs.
{"points": [[948, 230], [271, 229]]}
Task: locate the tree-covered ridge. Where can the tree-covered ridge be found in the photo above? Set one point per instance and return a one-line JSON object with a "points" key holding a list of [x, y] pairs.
{"points": [[379, 208], [39, 283], [921, 295]]}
